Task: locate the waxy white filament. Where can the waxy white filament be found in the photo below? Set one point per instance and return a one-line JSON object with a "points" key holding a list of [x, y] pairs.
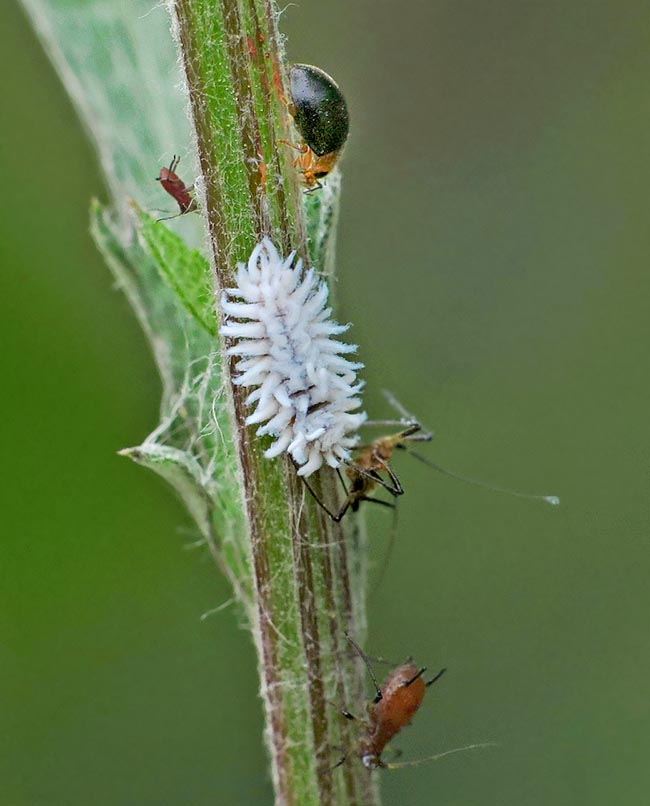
{"points": [[305, 391]]}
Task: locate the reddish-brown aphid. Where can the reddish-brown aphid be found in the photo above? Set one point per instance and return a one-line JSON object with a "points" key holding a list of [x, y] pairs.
{"points": [[392, 709], [174, 185], [365, 473], [371, 469]]}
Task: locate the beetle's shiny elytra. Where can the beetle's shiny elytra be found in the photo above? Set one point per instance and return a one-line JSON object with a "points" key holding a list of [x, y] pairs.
{"points": [[320, 114]]}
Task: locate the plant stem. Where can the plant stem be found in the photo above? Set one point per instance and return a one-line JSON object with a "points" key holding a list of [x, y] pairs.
{"points": [[308, 573]]}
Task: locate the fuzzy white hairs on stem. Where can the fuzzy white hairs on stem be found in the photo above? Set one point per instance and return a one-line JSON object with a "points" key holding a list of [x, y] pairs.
{"points": [[305, 391]]}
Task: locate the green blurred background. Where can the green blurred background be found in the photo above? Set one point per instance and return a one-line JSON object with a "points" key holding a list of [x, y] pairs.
{"points": [[493, 255]]}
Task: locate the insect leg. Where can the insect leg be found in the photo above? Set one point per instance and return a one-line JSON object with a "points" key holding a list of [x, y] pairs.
{"points": [[362, 655], [336, 518], [317, 186], [395, 488], [376, 501]]}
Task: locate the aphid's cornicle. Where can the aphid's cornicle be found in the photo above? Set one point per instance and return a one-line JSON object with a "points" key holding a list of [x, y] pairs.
{"points": [[320, 114]]}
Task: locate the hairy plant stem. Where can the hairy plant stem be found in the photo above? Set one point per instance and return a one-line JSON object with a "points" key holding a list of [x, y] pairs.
{"points": [[308, 573]]}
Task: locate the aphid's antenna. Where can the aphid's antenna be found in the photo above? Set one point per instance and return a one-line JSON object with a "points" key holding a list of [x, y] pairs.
{"points": [[553, 500], [438, 756], [364, 658], [417, 433], [342, 480], [399, 408], [388, 553]]}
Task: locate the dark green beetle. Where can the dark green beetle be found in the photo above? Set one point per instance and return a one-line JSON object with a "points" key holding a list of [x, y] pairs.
{"points": [[321, 116]]}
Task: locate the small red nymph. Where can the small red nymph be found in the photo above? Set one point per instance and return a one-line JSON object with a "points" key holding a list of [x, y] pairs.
{"points": [[174, 185]]}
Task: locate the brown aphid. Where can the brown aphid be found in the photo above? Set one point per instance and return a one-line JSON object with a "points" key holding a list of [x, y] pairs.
{"points": [[371, 469], [392, 709], [402, 696], [373, 460], [177, 189]]}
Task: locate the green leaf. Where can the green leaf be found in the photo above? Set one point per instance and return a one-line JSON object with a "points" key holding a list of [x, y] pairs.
{"points": [[118, 63], [192, 447], [322, 214], [176, 339], [184, 474], [186, 270]]}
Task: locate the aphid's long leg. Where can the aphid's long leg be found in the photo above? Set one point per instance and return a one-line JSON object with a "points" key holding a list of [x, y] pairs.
{"points": [[437, 677], [362, 655], [397, 488], [348, 715], [341, 761], [335, 517], [371, 500], [344, 508], [348, 498], [394, 489], [389, 548], [342, 480], [338, 517]]}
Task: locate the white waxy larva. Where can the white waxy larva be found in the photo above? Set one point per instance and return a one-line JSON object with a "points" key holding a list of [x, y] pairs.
{"points": [[304, 390]]}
